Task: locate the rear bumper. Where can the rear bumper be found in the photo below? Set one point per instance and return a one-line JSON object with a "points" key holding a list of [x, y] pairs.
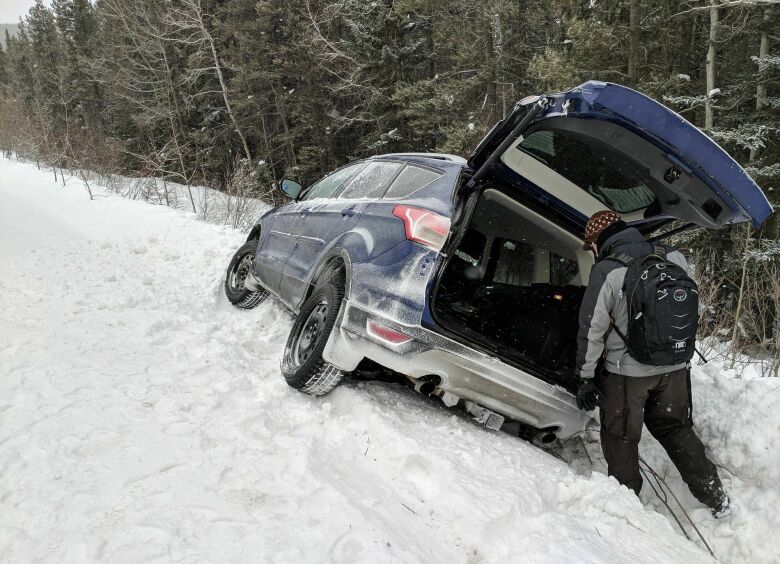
{"points": [[465, 372]]}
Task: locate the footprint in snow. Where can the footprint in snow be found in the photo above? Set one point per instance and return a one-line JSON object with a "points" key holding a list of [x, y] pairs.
{"points": [[416, 470]]}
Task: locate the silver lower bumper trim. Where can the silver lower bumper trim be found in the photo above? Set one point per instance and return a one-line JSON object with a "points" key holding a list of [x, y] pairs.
{"points": [[464, 372]]}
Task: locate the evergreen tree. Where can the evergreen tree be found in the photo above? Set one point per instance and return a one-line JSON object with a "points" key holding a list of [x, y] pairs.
{"points": [[3, 63], [299, 87]]}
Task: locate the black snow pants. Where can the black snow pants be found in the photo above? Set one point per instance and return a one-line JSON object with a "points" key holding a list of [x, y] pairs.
{"points": [[662, 403]]}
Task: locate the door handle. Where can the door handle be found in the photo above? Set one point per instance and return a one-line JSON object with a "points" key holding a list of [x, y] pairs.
{"points": [[348, 212]]}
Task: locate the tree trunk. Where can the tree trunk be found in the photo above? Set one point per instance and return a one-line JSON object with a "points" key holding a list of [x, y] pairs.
{"points": [[633, 41], [200, 22], [172, 121], [687, 49], [282, 112], [431, 39], [269, 152], [223, 87], [740, 298], [492, 54], [710, 66], [763, 51]]}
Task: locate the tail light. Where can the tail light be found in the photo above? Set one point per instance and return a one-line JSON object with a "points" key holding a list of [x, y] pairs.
{"points": [[423, 226], [383, 333]]}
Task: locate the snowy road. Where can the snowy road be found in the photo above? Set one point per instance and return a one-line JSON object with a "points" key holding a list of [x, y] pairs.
{"points": [[143, 419]]}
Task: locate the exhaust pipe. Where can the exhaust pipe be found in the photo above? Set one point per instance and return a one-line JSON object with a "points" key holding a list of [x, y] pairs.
{"points": [[426, 385], [545, 436]]}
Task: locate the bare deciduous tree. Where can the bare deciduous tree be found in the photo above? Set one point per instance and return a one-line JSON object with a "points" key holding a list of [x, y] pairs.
{"points": [[191, 26]]}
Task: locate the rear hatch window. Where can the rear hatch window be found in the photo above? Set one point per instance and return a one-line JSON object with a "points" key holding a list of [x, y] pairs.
{"points": [[599, 169]]}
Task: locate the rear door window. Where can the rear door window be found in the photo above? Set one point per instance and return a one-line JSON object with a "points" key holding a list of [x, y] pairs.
{"points": [[514, 264], [563, 271], [329, 185], [520, 264], [372, 180], [411, 179]]}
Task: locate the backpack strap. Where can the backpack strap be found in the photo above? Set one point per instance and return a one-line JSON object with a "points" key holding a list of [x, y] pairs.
{"points": [[626, 261], [613, 325], [660, 251], [622, 258]]}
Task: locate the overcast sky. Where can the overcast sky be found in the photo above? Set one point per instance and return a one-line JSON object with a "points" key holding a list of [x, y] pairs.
{"points": [[10, 10]]}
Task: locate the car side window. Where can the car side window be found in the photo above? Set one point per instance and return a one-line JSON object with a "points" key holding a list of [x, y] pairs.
{"points": [[329, 185], [563, 271], [411, 179], [371, 181], [520, 264]]}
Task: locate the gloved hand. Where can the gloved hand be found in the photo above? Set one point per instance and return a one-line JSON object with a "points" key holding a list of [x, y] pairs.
{"points": [[588, 395]]}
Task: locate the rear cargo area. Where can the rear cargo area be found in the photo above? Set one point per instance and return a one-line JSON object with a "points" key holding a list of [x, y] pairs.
{"points": [[514, 286]]}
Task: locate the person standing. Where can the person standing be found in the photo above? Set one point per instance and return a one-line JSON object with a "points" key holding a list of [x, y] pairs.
{"points": [[628, 392]]}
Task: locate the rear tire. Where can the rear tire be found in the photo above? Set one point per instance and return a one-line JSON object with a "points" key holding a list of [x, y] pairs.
{"points": [[240, 265], [302, 364]]}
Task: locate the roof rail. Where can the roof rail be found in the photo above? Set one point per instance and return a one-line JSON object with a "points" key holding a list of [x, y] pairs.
{"points": [[437, 156]]}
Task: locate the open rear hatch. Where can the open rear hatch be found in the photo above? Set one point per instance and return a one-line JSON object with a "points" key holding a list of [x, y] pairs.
{"points": [[605, 146], [516, 270], [514, 285]]}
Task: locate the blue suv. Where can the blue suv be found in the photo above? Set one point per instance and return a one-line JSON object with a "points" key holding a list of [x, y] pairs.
{"points": [[466, 276]]}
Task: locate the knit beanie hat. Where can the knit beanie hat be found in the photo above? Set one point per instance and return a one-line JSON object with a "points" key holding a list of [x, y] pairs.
{"points": [[597, 223]]}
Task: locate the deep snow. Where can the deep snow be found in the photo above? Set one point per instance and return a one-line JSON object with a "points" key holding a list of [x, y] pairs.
{"points": [[142, 418]]}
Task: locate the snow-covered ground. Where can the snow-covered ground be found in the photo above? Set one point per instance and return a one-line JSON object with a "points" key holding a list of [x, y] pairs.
{"points": [[143, 419]]}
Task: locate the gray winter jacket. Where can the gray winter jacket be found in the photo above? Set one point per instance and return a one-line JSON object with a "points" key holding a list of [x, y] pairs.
{"points": [[604, 298]]}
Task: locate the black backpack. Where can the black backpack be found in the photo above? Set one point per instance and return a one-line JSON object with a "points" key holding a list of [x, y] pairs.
{"points": [[663, 309]]}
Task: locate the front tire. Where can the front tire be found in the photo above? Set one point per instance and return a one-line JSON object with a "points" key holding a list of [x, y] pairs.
{"points": [[242, 263], [302, 364]]}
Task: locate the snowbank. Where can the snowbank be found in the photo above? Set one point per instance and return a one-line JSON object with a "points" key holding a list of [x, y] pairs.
{"points": [[210, 205], [144, 419], [738, 418]]}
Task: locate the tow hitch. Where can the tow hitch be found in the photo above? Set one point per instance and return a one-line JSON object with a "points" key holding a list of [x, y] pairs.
{"points": [[428, 386], [484, 416]]}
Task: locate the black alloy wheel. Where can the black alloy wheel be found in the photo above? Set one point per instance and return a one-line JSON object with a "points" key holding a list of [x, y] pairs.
{"points": [[308, 335], [242, 263], [302, 364]]}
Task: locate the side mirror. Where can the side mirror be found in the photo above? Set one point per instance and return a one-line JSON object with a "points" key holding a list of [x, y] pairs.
{"points": [[291, 188]]}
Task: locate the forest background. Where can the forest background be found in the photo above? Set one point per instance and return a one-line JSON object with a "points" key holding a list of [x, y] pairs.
{"points": [[238, 94]]}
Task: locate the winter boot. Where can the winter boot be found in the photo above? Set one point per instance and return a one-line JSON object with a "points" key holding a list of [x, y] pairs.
{"points": [[722, 510]]}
